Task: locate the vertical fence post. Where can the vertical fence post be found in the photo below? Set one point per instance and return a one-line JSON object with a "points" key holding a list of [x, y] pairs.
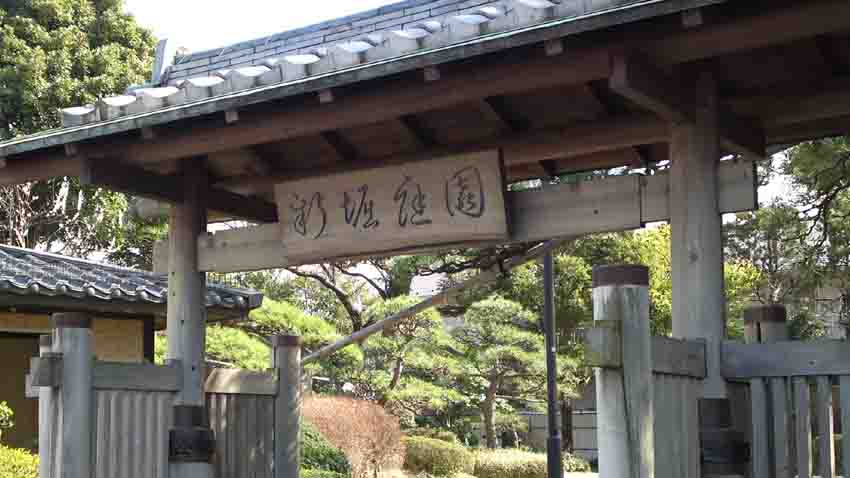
{"points": [[771, 437], [625, 396], [76, 397], [46, 417], [287, 407]]}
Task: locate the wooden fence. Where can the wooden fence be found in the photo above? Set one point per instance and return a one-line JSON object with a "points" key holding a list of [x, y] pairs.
{"points": [[132, 410], [799, 395]]}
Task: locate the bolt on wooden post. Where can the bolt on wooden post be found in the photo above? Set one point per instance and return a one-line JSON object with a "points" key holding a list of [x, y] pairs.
{"points": [[625, 395]]}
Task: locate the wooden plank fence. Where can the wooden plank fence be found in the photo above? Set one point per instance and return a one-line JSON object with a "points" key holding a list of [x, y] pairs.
{"points": [[799, 394], [132, 413]]}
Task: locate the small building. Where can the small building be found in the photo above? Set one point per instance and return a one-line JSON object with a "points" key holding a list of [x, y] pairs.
{"points": [[128, 306]]}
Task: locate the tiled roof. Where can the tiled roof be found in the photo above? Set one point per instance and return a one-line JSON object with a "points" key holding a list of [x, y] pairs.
{"points": [[378, 35], [28, 272]]}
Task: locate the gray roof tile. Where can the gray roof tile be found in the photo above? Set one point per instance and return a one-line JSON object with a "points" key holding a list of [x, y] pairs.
{"points": [[28, 272]]}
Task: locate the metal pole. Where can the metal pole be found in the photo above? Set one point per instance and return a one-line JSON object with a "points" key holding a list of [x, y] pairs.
{"points": [[553, 443]]}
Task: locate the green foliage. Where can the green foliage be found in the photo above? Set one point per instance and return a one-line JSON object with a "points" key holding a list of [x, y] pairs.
{"points": [[232, 347], [514, 463], [283, 318], [236, 347], [55, 54], [435, 433], [16, 463], [318, 454], [60, 53], [134, 246], [436, 457], [314, 473], [6, 417]]}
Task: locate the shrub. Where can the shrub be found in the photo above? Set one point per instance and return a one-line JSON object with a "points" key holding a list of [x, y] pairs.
{"points": [[15, 463], [511, 463], [435, 433], [314, 473], [436, 457], [318, 454], [6, 414], [368, 435]]}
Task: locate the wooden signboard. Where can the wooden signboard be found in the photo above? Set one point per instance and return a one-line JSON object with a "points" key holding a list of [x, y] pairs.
{"points": [[442, 201]]}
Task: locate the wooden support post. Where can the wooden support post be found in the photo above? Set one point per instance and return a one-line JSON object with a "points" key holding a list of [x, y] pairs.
{"points": [[766, 323], [191, 442], [286, 358], [76, 396], [46, 417], [699, 302], [769, 402], [625, 396]]}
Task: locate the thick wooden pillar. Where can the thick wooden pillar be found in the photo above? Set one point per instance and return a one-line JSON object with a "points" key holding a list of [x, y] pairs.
{"points": [[699, 302], [46, 417], [191, 442]]}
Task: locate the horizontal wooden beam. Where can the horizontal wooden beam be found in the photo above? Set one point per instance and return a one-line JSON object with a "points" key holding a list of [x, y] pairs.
{"points": [[139, 182], [636, 78], [742, 361], [684, 358], [579, 142], [612, 204], [382, 104], [46, 370], [241, 382], [133, 376]]}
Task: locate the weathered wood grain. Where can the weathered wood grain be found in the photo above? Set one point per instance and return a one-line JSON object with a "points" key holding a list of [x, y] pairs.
{"points": [[803, 427], [760, 447], [824, 357], [132, 376], [241, 382], [824, 411], [446, 201], [684, 358]]}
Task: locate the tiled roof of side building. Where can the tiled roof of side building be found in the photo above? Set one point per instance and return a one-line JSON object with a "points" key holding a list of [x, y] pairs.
{"points": [[33, 273]]}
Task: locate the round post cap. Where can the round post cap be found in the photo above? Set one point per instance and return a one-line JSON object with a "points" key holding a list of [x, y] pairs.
{"points": [[620, 275]]}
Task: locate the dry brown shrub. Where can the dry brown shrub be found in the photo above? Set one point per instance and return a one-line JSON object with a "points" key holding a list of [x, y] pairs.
{"points": [[368, 435]]}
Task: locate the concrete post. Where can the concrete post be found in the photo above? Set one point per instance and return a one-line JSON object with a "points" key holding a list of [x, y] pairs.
{"points": [[625, 396], [699, 301], [76, 396], [191, 442], [286, 358], [46, 417]]}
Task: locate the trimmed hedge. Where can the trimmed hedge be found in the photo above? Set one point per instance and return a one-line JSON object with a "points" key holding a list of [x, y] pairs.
{"points": [[318, 454], [512, 463], [16, 463], [314, 473], [436, 457], [435, 433]]}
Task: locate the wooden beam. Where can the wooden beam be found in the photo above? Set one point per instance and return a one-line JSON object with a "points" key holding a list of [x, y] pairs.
{"points": [[823, 357], [139, 182], [132, 376], [242, 382], [612, 204], [577, 142], [636, 78], [373, 106], [343, 147], [683, 358], [19, 171]]}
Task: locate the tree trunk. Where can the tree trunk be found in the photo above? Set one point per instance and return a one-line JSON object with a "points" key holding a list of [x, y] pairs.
{"points": [[488, 409]]}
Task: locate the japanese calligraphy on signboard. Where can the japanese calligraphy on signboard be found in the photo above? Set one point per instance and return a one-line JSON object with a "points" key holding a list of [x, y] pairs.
{"points": [[452, 200]]}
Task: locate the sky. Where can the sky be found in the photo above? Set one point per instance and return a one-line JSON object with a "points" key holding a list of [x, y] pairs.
{"points": [[205, 24]]}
